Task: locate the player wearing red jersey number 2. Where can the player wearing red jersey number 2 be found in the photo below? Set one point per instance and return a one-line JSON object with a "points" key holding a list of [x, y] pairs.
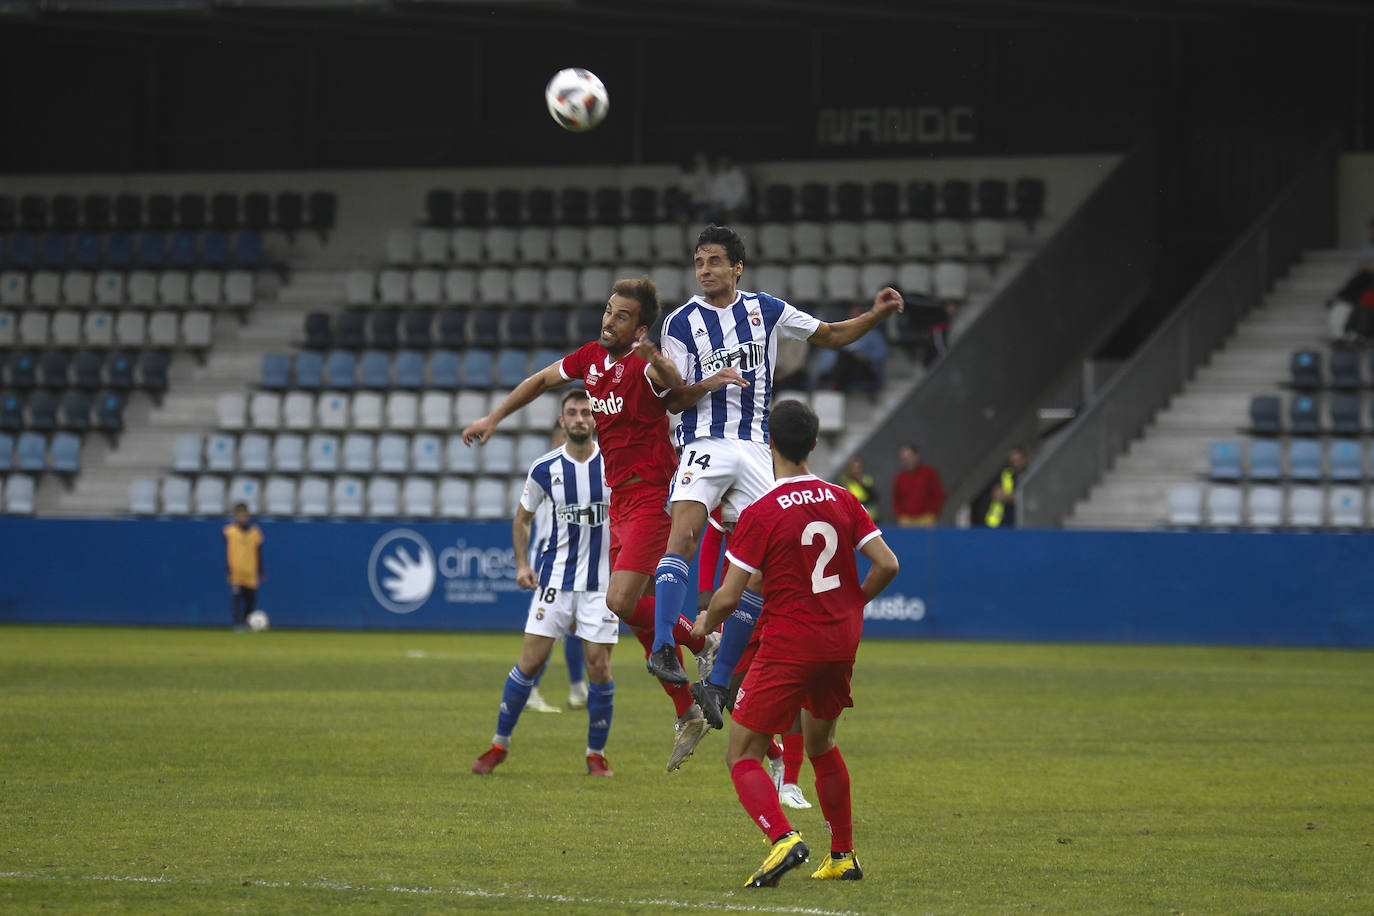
{"points": [[627, 380], [802, 534]]}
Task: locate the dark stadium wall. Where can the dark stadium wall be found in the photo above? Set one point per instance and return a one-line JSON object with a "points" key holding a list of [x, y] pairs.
{"points": [[1160, 587]]}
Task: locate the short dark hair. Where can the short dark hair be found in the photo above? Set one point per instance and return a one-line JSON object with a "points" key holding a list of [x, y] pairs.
{"points": [[642, 290], [724, 236], [238, 506], [576, 394], [793, 427]]}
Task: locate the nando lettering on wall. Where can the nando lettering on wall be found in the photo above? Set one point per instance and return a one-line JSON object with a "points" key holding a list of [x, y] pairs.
{"points": [[893, 125], [405, 571]]}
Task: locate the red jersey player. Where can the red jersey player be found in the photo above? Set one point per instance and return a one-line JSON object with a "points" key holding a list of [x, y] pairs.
{"points": [[802, 535], [627, 379]]}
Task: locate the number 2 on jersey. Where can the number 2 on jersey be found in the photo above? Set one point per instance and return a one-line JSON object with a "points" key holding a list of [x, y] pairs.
{"points": [[820, 582]]}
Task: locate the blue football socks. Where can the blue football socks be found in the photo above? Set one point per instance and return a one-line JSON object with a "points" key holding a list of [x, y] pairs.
{"points": [[670, 591], [600, 706], [572, 654], [734, 636], [513, 699]]}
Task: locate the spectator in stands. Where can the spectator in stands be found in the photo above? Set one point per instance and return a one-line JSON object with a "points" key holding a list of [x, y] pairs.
{"points": [[917, 493], [929, 320], [692, 200], [856, 479], [243, 563], [995, 507], [729, 192], [858, 365], [1355, 299]]}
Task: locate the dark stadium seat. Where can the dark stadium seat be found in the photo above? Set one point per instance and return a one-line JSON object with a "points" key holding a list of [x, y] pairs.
{"points": [[1028, 195], [992, 198], [1305, 370], [290, 211], [23, 251], [453, 328], [779, 203], [518, 327], [33, 213], [416, 325], [478, 369], [383, 328], [109, 415], [162, 212], [152, 250], [152, 370], [815, 202], [76, 411], [56, 251], [87, 255], [551, 327], [1345, 414], [9, 214], [257, 211], [410, 369], [956, 198], [1304, 414], [351, 330], [507, 204], [96, 212], [1345, 369], [374, 369], [324, 211], [53, 369], [191, 212], [1264, 415], [307, 370], [128, 213], [586, 325], [439, 207], [184, 253], [224, 211], [120, 371], [511, 367], [540, 202], [341, 370], [1224, 461], [473, 207], [214, 250], [11, 411], [609, 206], [43, 411], [88, 370], [643, 205], [444, 368], [319, 334], [486, 328], [248, 249], [276, 371], [849, 201], [66, 212], [920, 199], [574, 207], [119, 250], [22, 370]]}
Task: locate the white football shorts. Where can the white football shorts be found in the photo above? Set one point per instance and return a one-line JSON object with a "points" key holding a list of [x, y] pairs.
{"points": [[553, 612], [730, 473]]}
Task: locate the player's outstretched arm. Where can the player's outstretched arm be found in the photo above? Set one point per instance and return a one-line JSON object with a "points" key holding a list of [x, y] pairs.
{"points": [[545, 379], [520, 537], [837, 334], [684, 396], [662, 371], [883, 570], [724, 601]]}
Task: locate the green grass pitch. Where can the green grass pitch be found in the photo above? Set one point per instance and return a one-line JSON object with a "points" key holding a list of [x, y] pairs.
{"points": [[196, 771]]}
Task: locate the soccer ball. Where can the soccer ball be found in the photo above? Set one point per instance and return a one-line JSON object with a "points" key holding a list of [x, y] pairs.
{"points": [[258, 620], [577, 99]]}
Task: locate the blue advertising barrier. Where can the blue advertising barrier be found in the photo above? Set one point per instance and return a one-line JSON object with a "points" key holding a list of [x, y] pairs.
{"points": [[1159, 587]]}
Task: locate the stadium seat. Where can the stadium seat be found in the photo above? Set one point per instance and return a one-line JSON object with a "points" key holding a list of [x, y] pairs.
{"points": [[460, 458], [1304, 414], [574, 206], [220, 450], [1028, 195], [436, 410], [56, 251], [131, 329], [426, 454], [489, 498], [951, 280], [1224, 461], [322, 453], [773, 278], [53, 369], [319, 332], [498, 455], [279, 497], [808, 242], [66, 453], [340, 370], [416, 325], [1305, 370], [360, 287], [603, 246], [6, 452], [276, 371], [288, 453], [20, 494], [231, 409], [186, 453], [560, 285], [1346, 507], [108, 289], [1345, 414], [209, 496], [1185, 505], [401, 246], [332, 408], [444, 366], [1305, 507], [402, 409], [829, 408], [14, 288], [347, 494], [31, 452], [494, 286], [393, 453], [478, 369], [173, 288], [143, 496], [351, 330], [417, 497], [367, 410], [452, 329], [255, 451], [920, 199], [383, 329], [844, 240], [529, 448], [88, 370], [264, 410], [840, 282], [1345, 460], [298, 410], [109, 412], [22, 370], [1224, 505], [141, 288], [1265, 460], [500, 244], [11, 412], [468, 245], [238, 289], [374, 370], [163, 329], [533, 244], [455, 498], [1264, 508], [214, 250], [915, 240], [33, 328], [989, 239], [775, 242], [43, 410], [119, 251], [1264, 415], [9, 332], [76, 411], [568, 245], [527, 286], [1345, 370], [804, 284], [992, 198], [359, 450], [314, 497], [383, 497], [77, 289], [634, 243], [432, 246], [308, 370], [175, 495], [153, 367]]}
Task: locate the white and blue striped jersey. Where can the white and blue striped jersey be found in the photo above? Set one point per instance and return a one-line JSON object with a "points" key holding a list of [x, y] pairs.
{"points": [[577, 552], [702, 339]]}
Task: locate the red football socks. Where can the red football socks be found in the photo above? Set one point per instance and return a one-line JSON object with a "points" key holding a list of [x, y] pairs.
{"points": [[759, 798], [791, 758], [774, 749], [680, 694], [643, 618], [832, 788]]}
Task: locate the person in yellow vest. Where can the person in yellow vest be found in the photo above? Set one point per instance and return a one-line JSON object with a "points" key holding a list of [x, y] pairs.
{"points": [[858, 481], [243, 562], [997, 507]]}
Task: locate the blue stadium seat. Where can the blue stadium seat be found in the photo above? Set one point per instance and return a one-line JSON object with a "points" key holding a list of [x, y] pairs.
{"points": [[152, 370], [319, 332], [444, 370], [214, 250], [56, 253], [1264, 415], [6, 452], [1305, 370], [486, 328], [119, 250], [1304, 415], [1224, 460], [11, 411], [120, 371], [518, 328], [248, 250], [341, 370], [410, 369], [544, 358], [477, 369], [375, 369], [1345, 413], [276, 371], [383, 328], [1345, 369], [511, 367], [23, 251], [1265, 460], [452, 328], [54, 368], [309, 369], [66, 453], [88, 370], [88, 251], [417, 324], [351, 327], [1345, 458], [184, 254], [152, 250], [22, 370], [43, 410], [110, 413], [31, 452], [1305, 460], [76, 411]]}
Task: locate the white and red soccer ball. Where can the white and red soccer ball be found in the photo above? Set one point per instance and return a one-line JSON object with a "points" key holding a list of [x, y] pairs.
{"points": [[577, 99]]}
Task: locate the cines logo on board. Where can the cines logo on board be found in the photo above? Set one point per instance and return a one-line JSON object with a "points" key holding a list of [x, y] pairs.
{"points": [[403, 572]]}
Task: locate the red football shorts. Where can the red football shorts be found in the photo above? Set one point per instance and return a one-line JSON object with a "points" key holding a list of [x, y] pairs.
{"points": [[639, 527], [774, 690]]}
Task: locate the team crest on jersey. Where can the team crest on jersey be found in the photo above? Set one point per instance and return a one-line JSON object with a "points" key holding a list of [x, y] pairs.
{"points": [[755, 318], [619, 371], [539, 614], [686, 478]]}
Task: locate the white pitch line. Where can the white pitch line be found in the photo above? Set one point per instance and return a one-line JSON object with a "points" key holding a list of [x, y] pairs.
{"points": [[441, 892]]}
